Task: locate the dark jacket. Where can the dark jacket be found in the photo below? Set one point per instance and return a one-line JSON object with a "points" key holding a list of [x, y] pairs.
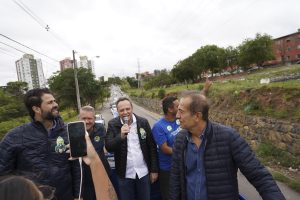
{"points": [[97, 137], [225, 153], [28, 150], [114, 143]]}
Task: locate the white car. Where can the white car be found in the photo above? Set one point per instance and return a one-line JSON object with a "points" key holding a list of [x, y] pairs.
{"points": [[99, 119]]}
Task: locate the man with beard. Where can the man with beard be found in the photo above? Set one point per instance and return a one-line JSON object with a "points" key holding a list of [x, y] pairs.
{"points": [[37, 149]]}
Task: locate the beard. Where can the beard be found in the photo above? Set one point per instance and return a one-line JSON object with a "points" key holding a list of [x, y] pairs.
{"points": [[48, 115]]}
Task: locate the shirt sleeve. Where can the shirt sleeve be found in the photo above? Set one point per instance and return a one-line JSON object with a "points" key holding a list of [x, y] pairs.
{"points": [[159, 134]]}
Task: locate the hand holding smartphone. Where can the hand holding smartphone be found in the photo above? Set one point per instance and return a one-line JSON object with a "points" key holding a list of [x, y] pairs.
{"points": [[76, 133]]}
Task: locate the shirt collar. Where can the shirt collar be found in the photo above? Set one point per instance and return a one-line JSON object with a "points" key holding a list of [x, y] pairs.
{"points": [[202, 135], [54, 125]]}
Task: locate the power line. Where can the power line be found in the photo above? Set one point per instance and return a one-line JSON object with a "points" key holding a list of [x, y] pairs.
{"points": [[42, 23], [27, 47], [5, 52], [31, 14], [14, 55], [13, 47]]}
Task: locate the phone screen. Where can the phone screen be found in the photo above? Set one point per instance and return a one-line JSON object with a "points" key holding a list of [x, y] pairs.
{"points": [[76, 132]]}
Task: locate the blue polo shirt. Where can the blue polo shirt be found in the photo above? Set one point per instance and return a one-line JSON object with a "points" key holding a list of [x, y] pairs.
{"points": [[165, 131], [195, 171]]}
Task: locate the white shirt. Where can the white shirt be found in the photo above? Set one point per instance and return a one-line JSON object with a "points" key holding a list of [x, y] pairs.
{"points": [[135, 159]]}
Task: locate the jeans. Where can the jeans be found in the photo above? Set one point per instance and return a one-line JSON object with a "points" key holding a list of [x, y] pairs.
{"points": [[138, 189]]}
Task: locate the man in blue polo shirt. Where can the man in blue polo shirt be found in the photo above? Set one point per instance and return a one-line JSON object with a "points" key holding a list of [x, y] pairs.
{"points": [[164, 132]]}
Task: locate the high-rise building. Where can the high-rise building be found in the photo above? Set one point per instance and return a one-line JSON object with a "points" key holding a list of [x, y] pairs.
{"points": [[30, 70], [85, 63], [65, 64]]}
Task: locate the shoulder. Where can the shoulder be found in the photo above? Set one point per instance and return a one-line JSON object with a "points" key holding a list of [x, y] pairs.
{"points": [[114, 121], [141, 120], [181, 136], [15, 133], [99, 129], [158, 123], [224, 133]]}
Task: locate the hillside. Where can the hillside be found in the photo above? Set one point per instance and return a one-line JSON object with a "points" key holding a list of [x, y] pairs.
{"points": [[244, 93]]}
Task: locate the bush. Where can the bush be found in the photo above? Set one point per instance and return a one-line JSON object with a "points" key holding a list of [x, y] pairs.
{"points": [[270, 153], [142, 94], [161, 93], [6, 126], [152, 95]]}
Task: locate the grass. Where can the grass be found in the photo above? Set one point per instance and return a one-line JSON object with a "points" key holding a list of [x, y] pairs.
{"points": [[230, 85], [271, 155], [293, 183]]}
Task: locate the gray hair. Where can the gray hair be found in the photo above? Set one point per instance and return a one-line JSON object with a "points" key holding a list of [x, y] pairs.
{"points": [[198, 103]]}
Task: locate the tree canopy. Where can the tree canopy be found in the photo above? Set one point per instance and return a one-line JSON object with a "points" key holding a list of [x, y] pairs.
{"points": [[63, 85]]}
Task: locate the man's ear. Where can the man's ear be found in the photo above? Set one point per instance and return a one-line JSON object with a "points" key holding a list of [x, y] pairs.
{"points": [[36, 109], [199, 115]]}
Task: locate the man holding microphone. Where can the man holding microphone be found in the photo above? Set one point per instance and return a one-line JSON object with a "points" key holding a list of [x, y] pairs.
{"points": [[130, 138]]}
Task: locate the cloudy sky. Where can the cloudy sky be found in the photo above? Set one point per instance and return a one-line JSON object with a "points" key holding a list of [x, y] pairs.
{"points": [[157, 32]]}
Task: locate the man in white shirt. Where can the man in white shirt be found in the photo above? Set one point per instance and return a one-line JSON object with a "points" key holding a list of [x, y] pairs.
{"points": [[130, 138]]}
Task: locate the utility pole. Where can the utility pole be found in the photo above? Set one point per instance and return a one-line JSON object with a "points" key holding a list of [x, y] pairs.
{"points": [[76, 82], [139, 73]]}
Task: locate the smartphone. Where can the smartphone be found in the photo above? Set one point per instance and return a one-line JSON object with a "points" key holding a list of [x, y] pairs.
{"points": [[76, 133]]}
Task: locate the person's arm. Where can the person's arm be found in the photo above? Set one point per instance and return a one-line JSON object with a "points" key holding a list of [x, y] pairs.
{"points": [[113, 137], [206, 87], [166, 149], [253, 170], [161, 139], [8, 152], [174, 180], [153, 153], [102, 184]]}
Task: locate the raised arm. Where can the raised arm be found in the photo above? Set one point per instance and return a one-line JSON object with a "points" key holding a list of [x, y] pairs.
{"points": [[102, 184], [206, 86]]}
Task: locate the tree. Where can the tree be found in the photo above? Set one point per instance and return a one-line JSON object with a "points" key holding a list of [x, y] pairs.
{"points": [[210, 57], [256, 51], [231, 55], [63, 85], [16, 88], [185, 70], [11, 100], [163, 79], [133, 82]]}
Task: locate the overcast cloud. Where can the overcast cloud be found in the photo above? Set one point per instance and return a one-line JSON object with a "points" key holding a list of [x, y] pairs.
{"points": [[158, 32]]}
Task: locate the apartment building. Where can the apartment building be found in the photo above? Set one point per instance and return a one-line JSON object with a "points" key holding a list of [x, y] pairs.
{"points": [[30, 70]]}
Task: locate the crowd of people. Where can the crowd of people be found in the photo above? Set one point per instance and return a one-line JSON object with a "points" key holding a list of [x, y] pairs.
{"points": [[190, 156]]}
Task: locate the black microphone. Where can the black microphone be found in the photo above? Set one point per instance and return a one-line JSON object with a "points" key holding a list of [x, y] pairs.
{"points": [[125, 119]]}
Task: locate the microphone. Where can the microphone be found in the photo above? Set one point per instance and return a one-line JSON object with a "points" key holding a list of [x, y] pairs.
{"points": [[125, 119]]}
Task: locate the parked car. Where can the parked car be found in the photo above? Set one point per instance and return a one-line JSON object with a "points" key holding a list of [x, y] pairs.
{"points": [[99, 119]]}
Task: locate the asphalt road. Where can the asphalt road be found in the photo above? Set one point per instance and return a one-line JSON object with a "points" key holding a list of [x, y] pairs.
{"points": [[245, 188]]}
